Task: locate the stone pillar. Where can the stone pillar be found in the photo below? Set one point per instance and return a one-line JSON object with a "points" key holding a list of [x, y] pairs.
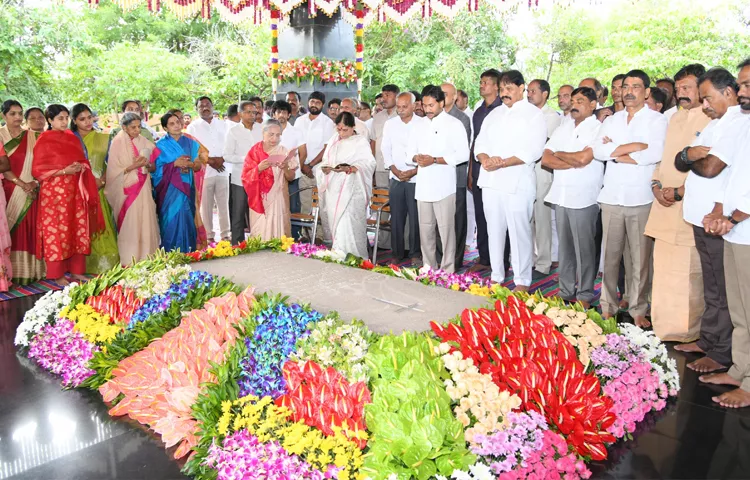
{"points": [[320, 37]]}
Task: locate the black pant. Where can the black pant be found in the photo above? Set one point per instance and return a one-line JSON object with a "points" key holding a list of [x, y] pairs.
{"points": [[295, 205], [403, 204], [482, 241], [237, 212], [460, 217], [716, 324]]}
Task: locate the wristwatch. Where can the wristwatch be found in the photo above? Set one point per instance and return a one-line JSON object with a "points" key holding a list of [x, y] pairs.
{"points": [[677, 196], [684, 156], [732, 220]]}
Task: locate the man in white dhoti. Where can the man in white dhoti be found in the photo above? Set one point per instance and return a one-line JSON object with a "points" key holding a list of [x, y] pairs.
{"points": [[344, 182]]}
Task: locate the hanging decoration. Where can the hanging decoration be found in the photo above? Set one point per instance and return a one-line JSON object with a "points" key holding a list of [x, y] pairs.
{"points": [[258, 10], [275, 14], [359, 45]]}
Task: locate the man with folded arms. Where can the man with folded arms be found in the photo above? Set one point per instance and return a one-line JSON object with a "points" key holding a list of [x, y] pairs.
{"points": [[574, 191]]}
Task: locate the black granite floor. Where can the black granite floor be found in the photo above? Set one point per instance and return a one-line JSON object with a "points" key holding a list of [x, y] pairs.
{"points": [[47, 433]]}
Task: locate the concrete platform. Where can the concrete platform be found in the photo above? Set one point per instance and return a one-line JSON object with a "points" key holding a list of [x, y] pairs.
{"points": [[385, 304]]}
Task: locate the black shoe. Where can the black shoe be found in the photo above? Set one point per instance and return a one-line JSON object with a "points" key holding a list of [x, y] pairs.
{"points": [[536, 275]]}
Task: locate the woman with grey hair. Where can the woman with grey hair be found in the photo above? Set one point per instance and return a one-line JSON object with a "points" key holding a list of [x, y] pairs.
{"points": [[268, 169], [128, 189]]}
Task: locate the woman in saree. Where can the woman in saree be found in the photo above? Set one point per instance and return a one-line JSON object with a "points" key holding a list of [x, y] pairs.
{"points": [[70, 213], [202, 237], [345, 185], [128, 189], [6, 267], [35, 120], [266, 174], [104, 253], [176, 160], [21, 195]]}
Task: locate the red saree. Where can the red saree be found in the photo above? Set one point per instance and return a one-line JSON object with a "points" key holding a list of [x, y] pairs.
{"points": [[69, 208], [257, 184]]}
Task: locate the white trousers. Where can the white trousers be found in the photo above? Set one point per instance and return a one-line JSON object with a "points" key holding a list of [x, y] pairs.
{"points": [[471, 221], [216, 192], [438, 216], [510, 213]]}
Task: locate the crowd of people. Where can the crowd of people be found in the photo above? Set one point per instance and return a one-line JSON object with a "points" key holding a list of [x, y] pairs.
{"points": [[651, 190]]}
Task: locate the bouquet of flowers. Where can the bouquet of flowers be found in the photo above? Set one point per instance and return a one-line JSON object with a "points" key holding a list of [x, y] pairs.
{"points": [[656, 353], [44, 312], [63, 351]]}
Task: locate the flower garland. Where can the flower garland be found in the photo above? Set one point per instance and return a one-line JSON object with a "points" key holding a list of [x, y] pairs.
{"points": [[274, 339], [44, 312], [63, 351], [312, 69], [333, 343]]}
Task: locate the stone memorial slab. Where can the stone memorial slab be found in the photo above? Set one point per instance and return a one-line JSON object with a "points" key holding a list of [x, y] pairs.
{"points": [[383, 303]]}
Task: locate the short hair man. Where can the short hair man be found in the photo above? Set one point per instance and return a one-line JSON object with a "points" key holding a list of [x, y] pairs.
{"points": [[537, 94], [676, 262], [462, 102], [233, 115], [258, 108], [669, 87], [397, 135], [291, 137], [211, 133], [510, 142], [632, 141], [575, 188], [388, 101], [418, 110], [378, 104], [293, 100], [657, 99], [617, 104], [135, 106], [565, 99], [351, 105], [437, 147], [334, 105]]}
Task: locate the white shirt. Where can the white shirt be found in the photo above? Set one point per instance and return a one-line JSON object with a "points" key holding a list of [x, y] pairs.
{"points": [[736, 191], [721, 135], [315, 133], [361, 129], [239, 141], [670, 112], [624, 184], [212, 136], [575, 187], [376, 135], [368, 123], [292, 138], [396, 138], [519, 131], [443, 136], [552, 118]]}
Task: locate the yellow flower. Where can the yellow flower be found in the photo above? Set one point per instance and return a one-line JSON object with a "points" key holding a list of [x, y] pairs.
{"points": [[286, 243], [456, 287]]}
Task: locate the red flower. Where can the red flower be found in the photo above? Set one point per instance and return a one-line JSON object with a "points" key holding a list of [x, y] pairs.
{"points": [[394, 267], [367, 265]]}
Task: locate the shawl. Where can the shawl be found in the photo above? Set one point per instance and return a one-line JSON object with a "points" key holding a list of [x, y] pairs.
{"points": [[19, 202], [56, 150], [258, 184], [122, 188], [166, 152]]}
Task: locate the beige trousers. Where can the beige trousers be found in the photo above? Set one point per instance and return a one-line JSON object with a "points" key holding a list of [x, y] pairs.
{"points": [[619, 223], [440, 215], [324, 233], [736, 261]]}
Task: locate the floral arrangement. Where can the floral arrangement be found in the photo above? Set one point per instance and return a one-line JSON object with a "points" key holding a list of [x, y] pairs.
{"points": [[166, 376], [63, 351], [334, 343], [311, 69], [482, 407], [175, 292], [336, 456], [242, 456], [95, 327], [552, 461], [306, 250], [656, 353], [525, 354], [324, 399], [118, 302], [151, 278], [225, 249], [277, 330], [630, 380], [505, 450], [44, 312]]}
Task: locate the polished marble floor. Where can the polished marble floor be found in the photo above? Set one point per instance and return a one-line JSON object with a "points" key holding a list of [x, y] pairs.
{"points": [[47, 433]]}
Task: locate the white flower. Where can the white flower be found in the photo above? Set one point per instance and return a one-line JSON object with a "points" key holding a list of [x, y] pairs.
{"points": [[44, 312]]}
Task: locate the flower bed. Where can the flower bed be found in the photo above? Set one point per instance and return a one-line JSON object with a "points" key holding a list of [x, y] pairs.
{"points": [[255, 387]]}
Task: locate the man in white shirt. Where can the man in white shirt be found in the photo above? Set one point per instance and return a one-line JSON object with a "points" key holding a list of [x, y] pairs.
{"points": [[730, 219], [291, 137], [211, 133], [574, 192], [397, 134], [232, 117], [437, 147], [292, 98], [510, 142], [240, 139], [538, 94], [565, 99], [389, 93], [351, 105], [632, 141], [708, 159], [317, 129]]}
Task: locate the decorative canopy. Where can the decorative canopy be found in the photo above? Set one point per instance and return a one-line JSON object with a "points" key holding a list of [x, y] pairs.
{"points": [[259, 10]]}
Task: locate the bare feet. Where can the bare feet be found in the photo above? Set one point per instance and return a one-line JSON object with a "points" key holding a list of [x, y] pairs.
{"points": [[478, 267], [705, 365], [586, 305], [691, 347], [62, 281], [79, 278], [719, 379], [737, 398], [624, 305], [521, 288], [642, 322]]}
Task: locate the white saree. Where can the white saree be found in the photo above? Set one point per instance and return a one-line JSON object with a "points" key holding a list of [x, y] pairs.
{"points": [[345, 197]]}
